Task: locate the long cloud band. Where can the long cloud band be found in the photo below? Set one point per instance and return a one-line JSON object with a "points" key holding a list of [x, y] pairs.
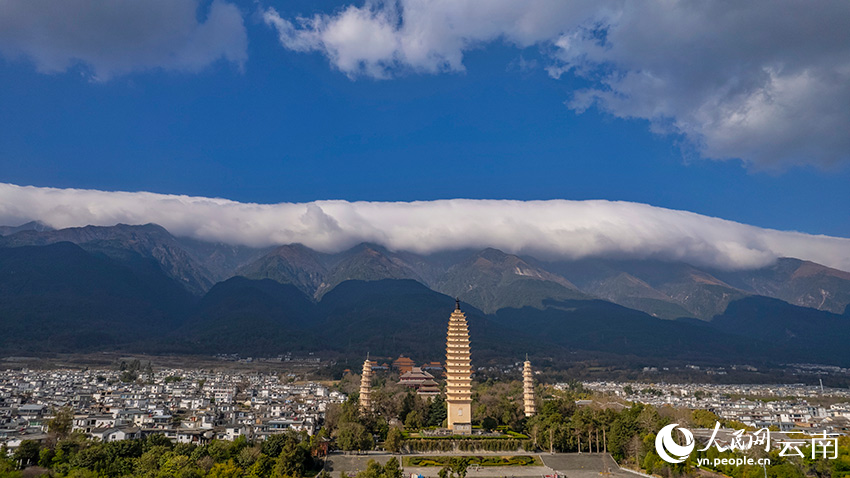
{"points": [[555, 229]]}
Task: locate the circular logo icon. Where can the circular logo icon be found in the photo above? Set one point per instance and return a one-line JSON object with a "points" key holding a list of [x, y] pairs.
{"points": [[668, 449]]}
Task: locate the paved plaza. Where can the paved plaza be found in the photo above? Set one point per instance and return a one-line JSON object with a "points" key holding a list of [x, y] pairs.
{"points": [[569, 465]]}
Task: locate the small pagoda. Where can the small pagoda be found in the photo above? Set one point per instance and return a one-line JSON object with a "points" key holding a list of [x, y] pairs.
{"points": [[366, 387], [528, 388]]}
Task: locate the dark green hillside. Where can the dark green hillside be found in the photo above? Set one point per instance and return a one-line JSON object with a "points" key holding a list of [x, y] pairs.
{"points": [[246, 316], [61, 298], [127, 288], [597, 325], [389, 317], [150, 241], [799, 333]]}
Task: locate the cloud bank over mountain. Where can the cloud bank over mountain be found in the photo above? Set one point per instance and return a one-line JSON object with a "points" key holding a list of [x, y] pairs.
{"points": [[550, 229], [766, 82], [122, 36]]}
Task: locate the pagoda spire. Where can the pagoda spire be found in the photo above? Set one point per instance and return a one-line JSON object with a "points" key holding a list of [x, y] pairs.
{"points": [[366, 386], [528, 388], [458, 374]]}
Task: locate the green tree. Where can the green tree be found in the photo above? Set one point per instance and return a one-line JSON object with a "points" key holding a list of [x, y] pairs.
{"points": [[274, 444], [92, 458], [262, 468], [228, 469], [61, 423], [621, 432], [394, 440], [413, 420], [82, 473], [408, 404], [392, 469], [180, 466], [45, 457], [27, 453], [7, 466], [459, 466], [373, 470], [489, 423], [703, 418], [219, 450], [293, 460], [148, 463], [156, 440], [248, 456], [354, 436], [337, 414], [436, 411]]}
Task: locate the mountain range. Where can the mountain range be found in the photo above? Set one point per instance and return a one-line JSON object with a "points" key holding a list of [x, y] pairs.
{"points": [[139, 287]]}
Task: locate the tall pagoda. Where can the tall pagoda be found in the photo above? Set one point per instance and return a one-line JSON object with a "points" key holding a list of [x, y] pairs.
{"points": [[366, 386], [528, 388], [458, 374]]}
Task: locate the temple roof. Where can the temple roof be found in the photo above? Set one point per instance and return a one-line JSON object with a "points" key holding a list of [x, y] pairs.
{"points": [[416, 375]]}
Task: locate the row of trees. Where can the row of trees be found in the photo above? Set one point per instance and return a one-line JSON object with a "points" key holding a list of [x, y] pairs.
{"points": [[470, 445], [285, 455]]}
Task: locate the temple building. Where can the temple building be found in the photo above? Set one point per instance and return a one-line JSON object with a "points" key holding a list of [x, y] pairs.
{"points": [[421, 381], [366, 387], [528, 389], [403, 364], [458, 375]]}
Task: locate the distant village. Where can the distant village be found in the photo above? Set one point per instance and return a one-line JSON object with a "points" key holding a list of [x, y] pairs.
{"points": [[790, 407]]}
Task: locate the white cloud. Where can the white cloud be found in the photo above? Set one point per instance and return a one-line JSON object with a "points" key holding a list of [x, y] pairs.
{"points": [[766, 82], [553, 229], [380, 38], [121, 36]]}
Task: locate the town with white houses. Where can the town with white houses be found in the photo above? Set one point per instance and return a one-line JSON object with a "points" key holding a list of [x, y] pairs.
{"points": [[186, 406], [197, 406], [786, 407]]}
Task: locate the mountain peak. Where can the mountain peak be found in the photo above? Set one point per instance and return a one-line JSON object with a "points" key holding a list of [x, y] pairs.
{"points": [[37, 226], [809, 269], [124, 241], [798, 282], [293, 264], [368, 262], [492, 279]]}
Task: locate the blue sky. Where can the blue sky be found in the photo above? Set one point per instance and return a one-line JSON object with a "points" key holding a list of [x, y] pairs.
{"points": [[277, 113]]}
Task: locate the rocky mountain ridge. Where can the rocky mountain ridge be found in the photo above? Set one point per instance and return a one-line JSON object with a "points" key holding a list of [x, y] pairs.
{"points": [[489, 279]]}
